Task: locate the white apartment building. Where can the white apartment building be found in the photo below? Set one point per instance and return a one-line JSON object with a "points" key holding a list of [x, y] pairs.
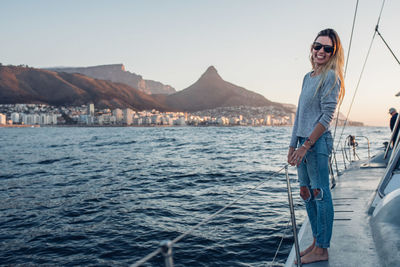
{"points": [[146, 121], [2, 118], [292, 118], [47, 119], [128, 116], [82, 118], [15, 117], [30, 119], [166, 120], [90, 109], [156, 119], [180, 121], [137, 121], [268, 120], [223, 121], [234, 121], [118, 114], [107, 119]]}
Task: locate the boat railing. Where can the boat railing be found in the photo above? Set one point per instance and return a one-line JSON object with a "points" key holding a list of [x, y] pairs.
{"points": [[166, 246], [349, 149]]}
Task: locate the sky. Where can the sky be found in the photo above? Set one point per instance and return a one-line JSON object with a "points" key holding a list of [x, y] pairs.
{"points": [[261, 45]]}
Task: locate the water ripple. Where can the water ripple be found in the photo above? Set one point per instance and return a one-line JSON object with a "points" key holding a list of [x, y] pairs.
{"points": [[108, 196]]}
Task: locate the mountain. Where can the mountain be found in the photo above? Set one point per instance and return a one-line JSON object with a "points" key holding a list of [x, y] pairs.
{"points": [[30, 85], [117, 73], [211, 91]]}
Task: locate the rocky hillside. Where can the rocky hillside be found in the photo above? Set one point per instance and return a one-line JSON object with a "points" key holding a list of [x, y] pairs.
{"points": [[30, 85], [117, 73]]}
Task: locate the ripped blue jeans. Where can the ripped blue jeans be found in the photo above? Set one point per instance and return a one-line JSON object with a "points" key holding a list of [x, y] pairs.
{"points": [[313, 172]]}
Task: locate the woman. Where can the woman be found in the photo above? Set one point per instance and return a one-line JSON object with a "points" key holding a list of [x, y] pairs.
{"points": [[311, 142]]}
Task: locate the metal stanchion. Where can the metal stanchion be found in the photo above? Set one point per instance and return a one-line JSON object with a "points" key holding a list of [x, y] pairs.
{"points": [[166, 249], [334, 157], [293, 217], [344, 159], [333, 180]]}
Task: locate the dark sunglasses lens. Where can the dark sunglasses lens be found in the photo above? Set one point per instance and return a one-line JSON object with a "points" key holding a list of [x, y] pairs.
{"points": [[328, 49], [317, 46]]}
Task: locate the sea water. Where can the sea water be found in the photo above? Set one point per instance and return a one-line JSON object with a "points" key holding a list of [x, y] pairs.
{"points": [[109, 196]]}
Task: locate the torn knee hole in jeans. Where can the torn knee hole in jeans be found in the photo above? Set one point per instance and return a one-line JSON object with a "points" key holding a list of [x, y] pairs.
{"points": [[305, 194], [318, 193]]}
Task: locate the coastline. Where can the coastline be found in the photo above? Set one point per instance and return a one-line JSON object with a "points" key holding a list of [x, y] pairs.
{"points": [[19, 126]]}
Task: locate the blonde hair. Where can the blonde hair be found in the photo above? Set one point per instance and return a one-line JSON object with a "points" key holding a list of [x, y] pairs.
{"points": [[335, 62]]}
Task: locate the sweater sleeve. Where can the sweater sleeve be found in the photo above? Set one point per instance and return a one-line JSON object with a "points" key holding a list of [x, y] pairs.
{"points": [[329, 95], [294, 139]]}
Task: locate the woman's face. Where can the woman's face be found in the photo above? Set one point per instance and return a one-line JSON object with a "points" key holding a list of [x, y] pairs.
{"points": [[321, 57]]}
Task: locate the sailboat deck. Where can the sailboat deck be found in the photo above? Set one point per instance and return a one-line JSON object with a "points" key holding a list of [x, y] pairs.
{"points": [[352, 243]]}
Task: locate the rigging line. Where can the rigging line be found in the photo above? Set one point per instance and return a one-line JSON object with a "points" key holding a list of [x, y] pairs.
{"points": [[280, 244], [355, 92], [347, 63], [224, 208], [351, 40], [147, 258], [380, 35], [362, 71], [177, 239], [380, 13]]}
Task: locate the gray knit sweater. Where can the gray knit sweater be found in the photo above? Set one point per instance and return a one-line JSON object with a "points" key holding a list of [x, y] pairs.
{"points": [[313, 108]]}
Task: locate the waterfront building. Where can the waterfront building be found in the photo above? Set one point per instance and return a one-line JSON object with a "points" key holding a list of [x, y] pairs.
{"points": [[91, 120], [47, 119], [222, 121], [90, 109], [156, 119], [128, 116], [137, 121], [82, 118], [146, 120], [180, 121], [118, 114], [30, 119], [166, 120], [234, 121], [2, 118], [268, 120], [51, 118], [15, 117], [107, 119], [292, 118]]}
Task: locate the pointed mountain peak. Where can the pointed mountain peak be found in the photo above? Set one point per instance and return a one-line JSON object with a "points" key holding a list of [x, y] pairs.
{"points": [[211, 69], [211, 73]]}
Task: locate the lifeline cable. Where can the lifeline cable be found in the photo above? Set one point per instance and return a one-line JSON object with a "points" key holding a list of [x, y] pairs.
{"points": [[177, 239]]}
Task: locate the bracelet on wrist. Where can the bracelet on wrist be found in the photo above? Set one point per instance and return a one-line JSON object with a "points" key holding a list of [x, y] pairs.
{"points": [[310, 142]]}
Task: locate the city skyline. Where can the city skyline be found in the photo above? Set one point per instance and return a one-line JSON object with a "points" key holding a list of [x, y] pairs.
{"points": [[262, 46], [42, 114]]}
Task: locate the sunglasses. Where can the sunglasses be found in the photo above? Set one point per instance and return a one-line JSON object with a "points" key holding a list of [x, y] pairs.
{"points": [[327, 48]]}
